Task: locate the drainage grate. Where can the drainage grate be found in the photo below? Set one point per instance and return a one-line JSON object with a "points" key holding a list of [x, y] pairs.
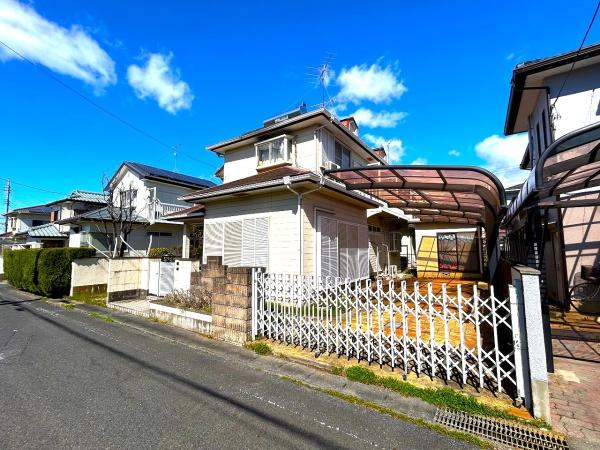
{"points": [[513, 435]]}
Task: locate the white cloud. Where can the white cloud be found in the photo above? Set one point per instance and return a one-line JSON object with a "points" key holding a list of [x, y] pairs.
{"points": [[373, 83], [67, 51], [382, 119], [510, 56], [393, 147], [419, 162], [159, 81], [454, 153], [502, 156]]}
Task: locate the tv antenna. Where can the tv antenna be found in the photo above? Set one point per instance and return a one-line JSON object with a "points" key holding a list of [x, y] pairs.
{"points": [[321, 77]]}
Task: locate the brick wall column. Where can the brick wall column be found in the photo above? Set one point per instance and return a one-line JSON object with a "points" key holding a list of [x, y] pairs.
{"points": [[232, 308]]}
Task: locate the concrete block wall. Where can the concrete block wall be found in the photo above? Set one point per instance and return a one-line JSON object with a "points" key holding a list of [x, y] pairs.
{"points": [[231, 289], [89, 276]]}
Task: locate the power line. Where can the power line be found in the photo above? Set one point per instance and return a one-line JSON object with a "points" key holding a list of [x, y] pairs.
{"points": [[98, 106], [32, 187], [577, 54]]}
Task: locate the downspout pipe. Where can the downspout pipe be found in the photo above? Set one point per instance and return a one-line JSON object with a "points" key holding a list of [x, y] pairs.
{"points": [[287, 182]]}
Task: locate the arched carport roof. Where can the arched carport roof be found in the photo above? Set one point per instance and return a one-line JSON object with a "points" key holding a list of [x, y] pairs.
{"points": [[569, 164], [449, 194]]}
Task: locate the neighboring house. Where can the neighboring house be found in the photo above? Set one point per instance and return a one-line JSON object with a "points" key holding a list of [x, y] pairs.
{"points": [[553, 224], [141, 195], [49, 233], [276, 209], [20, 221]]}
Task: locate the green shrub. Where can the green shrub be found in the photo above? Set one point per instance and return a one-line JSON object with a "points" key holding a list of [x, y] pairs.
{"points": [[54, 269], [20, 268], [361, 374], [44, 271], [157, 252]]}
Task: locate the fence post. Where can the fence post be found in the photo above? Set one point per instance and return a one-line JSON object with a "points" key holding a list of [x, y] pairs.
{"points": [[531, 337]]}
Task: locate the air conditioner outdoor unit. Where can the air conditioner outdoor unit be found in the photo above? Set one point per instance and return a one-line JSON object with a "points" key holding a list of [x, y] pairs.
{"points": [[330, 165]]}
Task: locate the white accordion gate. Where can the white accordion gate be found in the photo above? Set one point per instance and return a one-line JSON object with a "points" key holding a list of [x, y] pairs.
{"points": [[465, 337]]}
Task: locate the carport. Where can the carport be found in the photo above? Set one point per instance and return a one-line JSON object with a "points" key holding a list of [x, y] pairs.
{"points": [[444, 196], [554, 223]]}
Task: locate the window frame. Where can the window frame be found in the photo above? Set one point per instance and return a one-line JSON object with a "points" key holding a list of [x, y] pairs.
{"points": [[128, 198], [287, 151], [343, 149]]}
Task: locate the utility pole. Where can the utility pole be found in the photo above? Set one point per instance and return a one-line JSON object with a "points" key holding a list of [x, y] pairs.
{"points": [[7, 196]]}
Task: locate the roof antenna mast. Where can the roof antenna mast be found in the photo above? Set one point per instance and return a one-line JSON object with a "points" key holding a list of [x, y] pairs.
{"points": [[322, 75]]}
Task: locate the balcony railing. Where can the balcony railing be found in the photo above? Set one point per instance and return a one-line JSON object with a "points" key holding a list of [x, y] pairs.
{"points": [[160, 209]]}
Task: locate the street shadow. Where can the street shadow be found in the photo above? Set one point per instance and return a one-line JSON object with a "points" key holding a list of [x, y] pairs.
{"points": [[287, 426]]}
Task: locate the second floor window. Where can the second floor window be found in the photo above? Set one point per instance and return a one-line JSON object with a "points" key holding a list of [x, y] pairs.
{"points": [[273, 151], [343, 156], [128, 198]]}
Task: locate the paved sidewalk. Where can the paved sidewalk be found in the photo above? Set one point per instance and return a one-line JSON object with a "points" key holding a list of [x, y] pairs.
{"points": [[575, 391]]}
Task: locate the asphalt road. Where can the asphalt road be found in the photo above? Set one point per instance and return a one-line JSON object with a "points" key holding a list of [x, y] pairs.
{"points": [[68, 380]]}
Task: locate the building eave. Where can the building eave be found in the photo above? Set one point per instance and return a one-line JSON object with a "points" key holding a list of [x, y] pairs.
{"points": [[523, 71]]}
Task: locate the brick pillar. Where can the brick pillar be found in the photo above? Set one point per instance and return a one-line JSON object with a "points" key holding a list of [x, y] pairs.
{"points": [[232, 308]]}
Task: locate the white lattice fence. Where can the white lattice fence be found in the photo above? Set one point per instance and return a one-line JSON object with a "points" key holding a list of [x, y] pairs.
{"points": [[457, 333]]}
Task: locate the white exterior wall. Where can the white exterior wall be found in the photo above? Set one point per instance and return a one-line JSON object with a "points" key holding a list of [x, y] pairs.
{"points": [[239, 163], [577, 107], [280, 208], [131, 181], [308, 153], [24, 221], [306, 148], [579, 102]]}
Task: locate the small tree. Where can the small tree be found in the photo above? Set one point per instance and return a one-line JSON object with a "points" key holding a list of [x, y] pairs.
{"points": [[121, 216]]}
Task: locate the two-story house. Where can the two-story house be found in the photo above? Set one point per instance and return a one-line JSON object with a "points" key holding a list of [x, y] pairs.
{"points": [[137, 196], [275, 208], [21, 220], [553, 223]]}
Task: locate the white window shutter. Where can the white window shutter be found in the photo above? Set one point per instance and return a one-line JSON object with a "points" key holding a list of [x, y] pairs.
{"points": [[213, 240], [232, 252], [248, 239], [261, 242]]}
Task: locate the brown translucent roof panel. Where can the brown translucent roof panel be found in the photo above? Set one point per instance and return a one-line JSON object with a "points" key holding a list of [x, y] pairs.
{"points": [[569, 164], [454, 194]]}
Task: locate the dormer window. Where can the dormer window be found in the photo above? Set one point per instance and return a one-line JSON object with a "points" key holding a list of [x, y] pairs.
{"points": [[274, 151]]}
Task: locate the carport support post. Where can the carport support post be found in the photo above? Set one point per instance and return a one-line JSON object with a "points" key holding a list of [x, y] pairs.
{"points": [[532, 343]]}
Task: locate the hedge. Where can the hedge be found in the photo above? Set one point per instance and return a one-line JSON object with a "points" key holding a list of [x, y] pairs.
{"points": [[45, 271]]}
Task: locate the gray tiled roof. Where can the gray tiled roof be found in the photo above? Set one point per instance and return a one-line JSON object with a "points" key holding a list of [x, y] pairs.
{"points": [[48, 230], [102, 214], [82, 196]]}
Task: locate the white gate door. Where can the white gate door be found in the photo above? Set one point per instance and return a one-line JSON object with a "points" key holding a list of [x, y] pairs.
{"points": [[167, 278], [162, 277]]}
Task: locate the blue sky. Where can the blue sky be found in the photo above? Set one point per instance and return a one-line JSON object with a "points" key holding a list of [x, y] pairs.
{"points": [[431, 80]]}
